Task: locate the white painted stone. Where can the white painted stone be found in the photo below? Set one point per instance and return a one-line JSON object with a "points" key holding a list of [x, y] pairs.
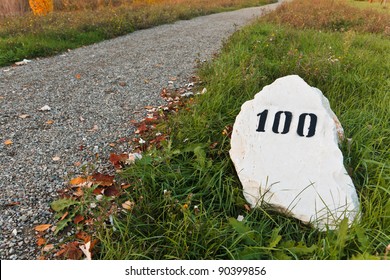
{"points": [[300, 175]]}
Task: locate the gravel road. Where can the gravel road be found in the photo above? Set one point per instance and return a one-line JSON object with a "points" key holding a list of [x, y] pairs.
{"points": [[93, 92]]}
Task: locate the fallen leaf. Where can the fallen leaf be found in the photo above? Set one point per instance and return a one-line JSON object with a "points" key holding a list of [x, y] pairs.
{"points": [[78, 181], [42, 227], [122, 84], [41, 241], [70, 251], [78, 76], [103, 180], [56, 158], [141, 128], [98, 190], [24, 116], [112, 144], [77, 164], [50, 122], [85, 249], [82, 235], [247, 207], [111, 191], [117, 159], [78, 219], [148, 107], [128, 205], [48, 247], [8, 142]]}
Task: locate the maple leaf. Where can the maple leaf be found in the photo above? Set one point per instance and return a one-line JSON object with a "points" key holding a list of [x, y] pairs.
{"points": [[70, 251], [42, 227]]}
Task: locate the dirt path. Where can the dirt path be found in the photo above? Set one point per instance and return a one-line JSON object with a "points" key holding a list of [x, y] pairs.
{"points": [[93, 93]]}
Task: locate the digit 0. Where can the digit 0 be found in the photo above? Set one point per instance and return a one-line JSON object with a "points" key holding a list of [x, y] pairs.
{"points": [[287, 123]]}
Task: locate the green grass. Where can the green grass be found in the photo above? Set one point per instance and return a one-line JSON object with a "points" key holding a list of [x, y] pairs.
{"points": [[352, 71], [31, 36]]}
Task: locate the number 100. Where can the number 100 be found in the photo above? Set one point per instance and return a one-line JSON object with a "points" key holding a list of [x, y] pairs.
{"points": [[287, 123]]}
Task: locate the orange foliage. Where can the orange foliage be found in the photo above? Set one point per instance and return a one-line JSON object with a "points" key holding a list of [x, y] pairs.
{"points": [[41, 7]]}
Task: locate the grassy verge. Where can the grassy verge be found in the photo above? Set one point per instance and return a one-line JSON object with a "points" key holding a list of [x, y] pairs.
{"points": [[182, 201], [36, 36]]}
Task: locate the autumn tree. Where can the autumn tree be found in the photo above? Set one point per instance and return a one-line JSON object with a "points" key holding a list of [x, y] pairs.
{"points": [[41, 7]]}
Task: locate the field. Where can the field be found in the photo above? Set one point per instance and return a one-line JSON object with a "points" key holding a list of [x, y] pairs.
{"points": [[77, 23]]}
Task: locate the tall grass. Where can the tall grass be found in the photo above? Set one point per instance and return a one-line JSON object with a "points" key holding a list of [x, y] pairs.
{"points": [[13, 7], [187, 196]]}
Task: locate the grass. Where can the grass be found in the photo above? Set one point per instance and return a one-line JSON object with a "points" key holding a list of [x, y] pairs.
{"points": [[186, 196], [29, 36]]}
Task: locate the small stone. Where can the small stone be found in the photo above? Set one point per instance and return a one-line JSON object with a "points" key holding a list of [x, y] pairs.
{"points": [[45, 108], [285, 150], [23, 218], [15, 232]]}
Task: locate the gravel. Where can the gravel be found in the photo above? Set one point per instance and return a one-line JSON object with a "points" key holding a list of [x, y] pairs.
{"points": [[92, 93]]}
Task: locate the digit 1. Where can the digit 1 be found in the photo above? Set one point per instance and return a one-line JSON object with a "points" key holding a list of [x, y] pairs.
{"points": [[287, 122], [312, 126], [263, 117]]}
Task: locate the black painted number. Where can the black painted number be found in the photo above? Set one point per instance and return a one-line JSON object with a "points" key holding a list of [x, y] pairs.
{"points": [[287, 123]]}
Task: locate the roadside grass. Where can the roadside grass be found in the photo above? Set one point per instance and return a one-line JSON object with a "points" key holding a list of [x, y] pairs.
{"points": [[28, 36], [187, 196]]}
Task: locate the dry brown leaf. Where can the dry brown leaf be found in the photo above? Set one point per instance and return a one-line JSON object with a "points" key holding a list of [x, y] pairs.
{"points": [[117, 159], [77, 164], [78, 219], [78, 181], [70, 251], [82, 235], [50, 122], [42, 227], [41, 241], [8, 142], [112, 191], [78, 76], [24, 116], [48, 247], [103, 180]]}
